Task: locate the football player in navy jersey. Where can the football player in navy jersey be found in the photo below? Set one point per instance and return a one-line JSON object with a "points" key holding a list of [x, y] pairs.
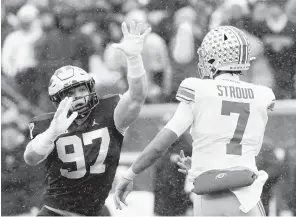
{"points": [[81, 142]]}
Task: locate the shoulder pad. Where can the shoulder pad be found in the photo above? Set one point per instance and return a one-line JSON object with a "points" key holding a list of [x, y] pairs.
{"points": [[190, 83], [43, 117], [109, 96], [186, 91], [272, 96], [109, 102], [267, 95], [272, 99], [39, 124], [268, 92]]}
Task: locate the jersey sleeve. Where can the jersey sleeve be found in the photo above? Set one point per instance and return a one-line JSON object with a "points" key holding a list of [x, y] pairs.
{"points": [[182, 119], [186, 91], [112, 99], [272, 100], [39, 124]]}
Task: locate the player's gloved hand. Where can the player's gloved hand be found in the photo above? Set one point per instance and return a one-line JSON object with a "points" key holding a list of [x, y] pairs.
{"points": [[123, 188], [61, 122], [184, 163], [132, 43]]}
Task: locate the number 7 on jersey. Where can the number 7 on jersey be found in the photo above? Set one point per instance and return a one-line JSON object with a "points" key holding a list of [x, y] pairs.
{"points": [[234, 146]]}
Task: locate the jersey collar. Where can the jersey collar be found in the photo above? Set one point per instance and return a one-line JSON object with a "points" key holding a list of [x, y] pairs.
{"points": [[227, 76]]}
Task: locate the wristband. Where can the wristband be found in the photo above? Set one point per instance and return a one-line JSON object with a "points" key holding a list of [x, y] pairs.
{"points": [[43, 142], [130, 175], [41, 148]]}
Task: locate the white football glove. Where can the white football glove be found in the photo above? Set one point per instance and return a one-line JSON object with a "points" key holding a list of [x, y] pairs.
{"points": [[60, 122], [132, 43]]}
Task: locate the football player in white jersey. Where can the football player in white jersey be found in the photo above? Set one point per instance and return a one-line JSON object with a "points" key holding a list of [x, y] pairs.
{"points": [[227, 119]]}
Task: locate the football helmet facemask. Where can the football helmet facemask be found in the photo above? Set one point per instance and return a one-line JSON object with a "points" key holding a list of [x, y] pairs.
{"points": [[67, 78], [224, 48]]}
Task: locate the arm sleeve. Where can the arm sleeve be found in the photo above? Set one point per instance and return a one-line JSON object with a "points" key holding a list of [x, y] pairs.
{"points": [[182, 119]]}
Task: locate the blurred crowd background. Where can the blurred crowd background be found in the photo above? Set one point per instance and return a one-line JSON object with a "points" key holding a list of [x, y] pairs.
{"points": [[39, 36]]}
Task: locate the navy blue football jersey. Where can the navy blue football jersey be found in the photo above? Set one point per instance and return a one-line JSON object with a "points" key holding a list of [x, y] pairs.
{"points": [[82, 166]]}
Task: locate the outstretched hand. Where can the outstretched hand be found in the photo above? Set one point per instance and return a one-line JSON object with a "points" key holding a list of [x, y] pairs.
{"points": [[61, 122], [132, 43], [184, 163], [123, 188]]}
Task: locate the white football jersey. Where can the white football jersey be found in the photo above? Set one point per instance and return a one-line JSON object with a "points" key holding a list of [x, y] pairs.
{"points": [[229, 121]]}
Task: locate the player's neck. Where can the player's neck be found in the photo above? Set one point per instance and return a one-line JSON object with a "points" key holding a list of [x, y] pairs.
{"points": [[227, 76]]}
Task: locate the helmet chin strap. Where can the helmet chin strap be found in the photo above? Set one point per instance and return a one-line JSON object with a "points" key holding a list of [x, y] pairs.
{"points": [[81, 119], [86, 112], [83, 113], [86, 108]]}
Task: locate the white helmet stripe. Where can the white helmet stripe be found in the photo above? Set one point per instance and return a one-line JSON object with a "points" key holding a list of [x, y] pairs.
{"points": [[240, 44], [241, 50], [247, 51], [245, 45]]}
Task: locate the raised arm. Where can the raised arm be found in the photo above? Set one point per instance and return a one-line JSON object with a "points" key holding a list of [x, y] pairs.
{"points": [[130, 104]]}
